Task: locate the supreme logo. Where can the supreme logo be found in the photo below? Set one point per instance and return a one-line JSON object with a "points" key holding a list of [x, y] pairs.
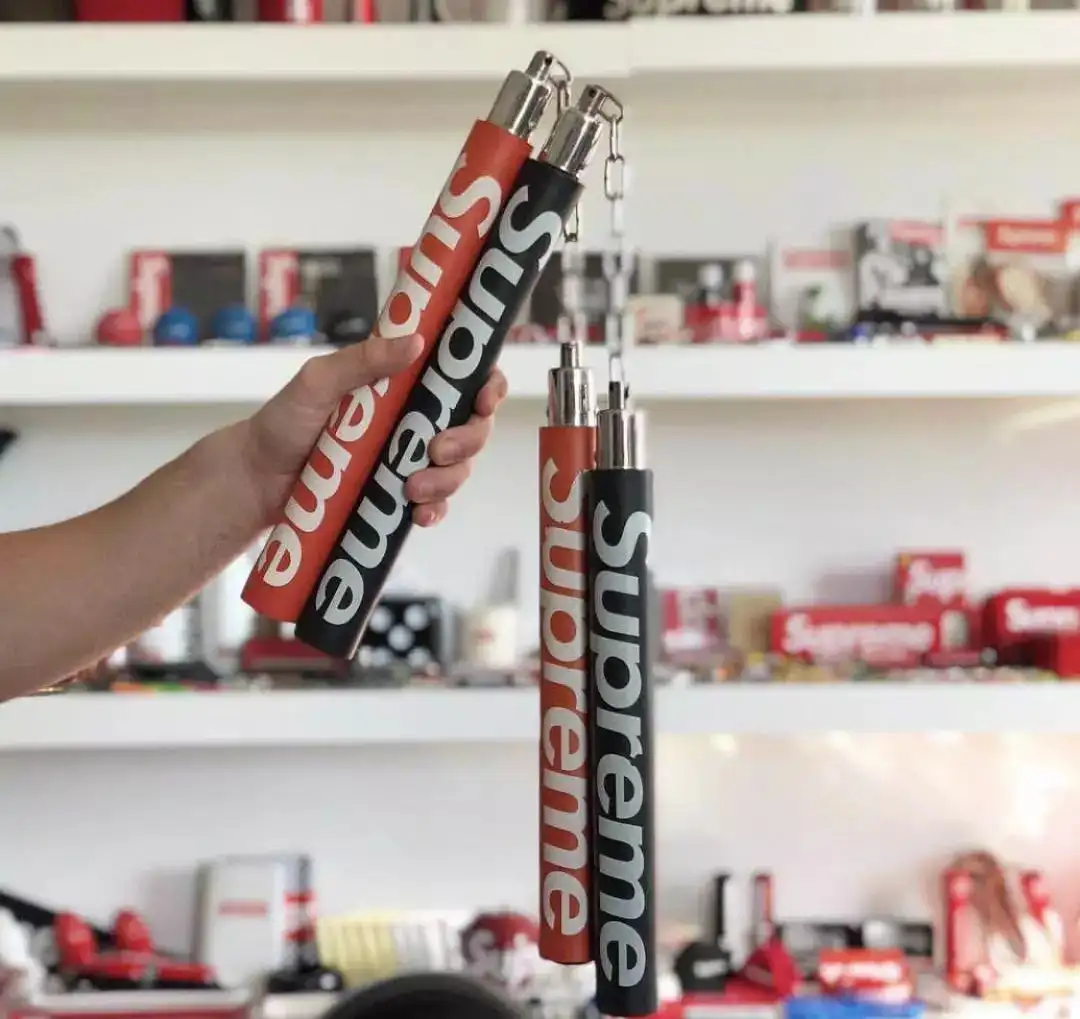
{"points": [[861, 641], [943, 584], [321, 478], [1023, 617], [1034, 236], [621, 764], [520, 246], [564, 849]]}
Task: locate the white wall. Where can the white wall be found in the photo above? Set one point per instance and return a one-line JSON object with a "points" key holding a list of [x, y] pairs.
{"points": [[812, 497]]}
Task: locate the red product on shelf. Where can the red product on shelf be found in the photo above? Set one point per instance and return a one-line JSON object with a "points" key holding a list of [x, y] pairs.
{"points": [[299, 12], [937, 580], [129, 10], [867, 973], [882, 636], [1055, 652], [1016, 615]]}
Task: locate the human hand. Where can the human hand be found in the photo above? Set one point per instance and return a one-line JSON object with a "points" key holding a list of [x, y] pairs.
{"points": [[281, 434]]}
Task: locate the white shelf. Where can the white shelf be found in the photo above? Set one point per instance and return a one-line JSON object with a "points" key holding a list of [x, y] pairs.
{"points": [[848, 43], [275, 54], [369, 54], [147, 376], [358, 718]]}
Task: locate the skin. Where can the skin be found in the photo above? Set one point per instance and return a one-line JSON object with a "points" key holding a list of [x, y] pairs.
{"points": [[74, 591]]}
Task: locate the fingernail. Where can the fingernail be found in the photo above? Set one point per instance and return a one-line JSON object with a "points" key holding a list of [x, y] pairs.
{"points": [[449, 450], [421, 490], [427, 516]]}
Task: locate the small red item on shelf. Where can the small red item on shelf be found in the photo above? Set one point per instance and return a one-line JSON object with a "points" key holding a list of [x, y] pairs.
{"points": [[120, 327], [129, 10], [300, 12]]}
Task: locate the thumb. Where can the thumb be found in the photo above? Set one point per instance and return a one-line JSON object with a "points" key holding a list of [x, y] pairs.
{"points": [[325, 379]]}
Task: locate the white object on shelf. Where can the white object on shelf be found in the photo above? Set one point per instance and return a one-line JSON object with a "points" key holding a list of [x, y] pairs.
{"points": [[484, 52], [144, 376], [357, 718]]}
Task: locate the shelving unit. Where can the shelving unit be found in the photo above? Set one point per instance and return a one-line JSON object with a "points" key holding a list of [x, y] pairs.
{"points": [[145, 376], [366, 718], [651, 48]]}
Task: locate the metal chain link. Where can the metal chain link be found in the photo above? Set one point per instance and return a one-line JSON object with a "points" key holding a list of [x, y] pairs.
{"points": [[573, 324], [618, 260]]}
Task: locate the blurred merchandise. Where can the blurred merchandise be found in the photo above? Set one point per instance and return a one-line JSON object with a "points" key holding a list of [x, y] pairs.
{"points": [[119, 327], [129, 10], [812, 292], [338, 287], [21, 320], [899, 268], [37, 10], [1015, 271], [185, 288], [301, 12]]}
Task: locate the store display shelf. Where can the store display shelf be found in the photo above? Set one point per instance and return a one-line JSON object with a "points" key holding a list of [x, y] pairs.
{"points": [[358, 718], [647, 47], [276, 54], [148, 376], [878, 44]]}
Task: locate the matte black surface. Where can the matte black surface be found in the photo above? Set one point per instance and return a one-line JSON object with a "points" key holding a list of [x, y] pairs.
{"points": [[7, 437], [542, 191], [620, 521]]}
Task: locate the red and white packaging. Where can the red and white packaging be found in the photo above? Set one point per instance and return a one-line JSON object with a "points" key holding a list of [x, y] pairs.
{"points": [[937, 580], [813, 292], [881, 636], [868, 973], [1015, 615], [298, 12], [279, 285], [691, 623], [150, 286], [658, 318], [1013, 270]]}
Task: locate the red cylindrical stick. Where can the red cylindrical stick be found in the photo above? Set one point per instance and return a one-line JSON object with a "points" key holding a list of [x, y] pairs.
{"points": [[567, 451], [25, 276], [425, 291]]}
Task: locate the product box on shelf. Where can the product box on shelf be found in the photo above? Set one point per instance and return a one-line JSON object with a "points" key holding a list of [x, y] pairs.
{"points": [[812, 291], [900, 267], [199, 284], [937, 581], [1015, 615], [723, 297], [881, 636], [1015, 271], [338, 286]]}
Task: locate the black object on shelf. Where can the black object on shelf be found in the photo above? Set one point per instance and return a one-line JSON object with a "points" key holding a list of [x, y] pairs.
{"points": [[7, 437]]}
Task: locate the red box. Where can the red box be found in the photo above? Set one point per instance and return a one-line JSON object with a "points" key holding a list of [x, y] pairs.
{"points": [[882, 636], [937, 580], [129, 10], [1016, 615]]}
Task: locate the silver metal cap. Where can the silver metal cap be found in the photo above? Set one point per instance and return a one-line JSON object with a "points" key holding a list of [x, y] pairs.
{"points": [[524, 96], [576, 133], [571, 401], [619, 432]]}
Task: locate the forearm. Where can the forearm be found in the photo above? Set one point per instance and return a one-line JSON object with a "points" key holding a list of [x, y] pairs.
{"points": [[73, 592]]}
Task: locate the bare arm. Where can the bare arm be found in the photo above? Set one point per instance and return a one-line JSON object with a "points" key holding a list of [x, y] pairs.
{"points": [[74, 592], [77, 590]]}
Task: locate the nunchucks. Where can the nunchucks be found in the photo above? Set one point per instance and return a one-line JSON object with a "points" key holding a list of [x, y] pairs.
{"points": [[596, 741], [522, 239]]}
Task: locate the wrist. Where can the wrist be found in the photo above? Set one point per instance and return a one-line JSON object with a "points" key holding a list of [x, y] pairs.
{"points": [[232, 455]]}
